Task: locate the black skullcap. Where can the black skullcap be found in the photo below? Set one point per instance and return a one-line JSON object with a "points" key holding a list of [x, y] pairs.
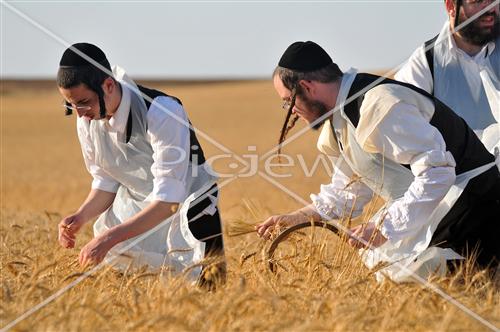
{"points": [[305, 56], [72, 59]]}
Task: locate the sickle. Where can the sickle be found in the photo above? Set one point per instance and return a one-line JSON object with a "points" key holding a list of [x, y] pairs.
{"points": [[286, 233]]}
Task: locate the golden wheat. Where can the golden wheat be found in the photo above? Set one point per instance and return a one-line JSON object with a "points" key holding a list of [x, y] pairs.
{"points": [[320, 283]]}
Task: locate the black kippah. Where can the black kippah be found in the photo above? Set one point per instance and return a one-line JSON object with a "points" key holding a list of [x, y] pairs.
{"points": [[72, 59], [305, 56]]}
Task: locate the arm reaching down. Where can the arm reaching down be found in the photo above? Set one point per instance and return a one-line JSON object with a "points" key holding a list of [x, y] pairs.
{"points": [[96, 203], [406, 137], [101, 196], [168, 132], [340, 197], [95, 251]]}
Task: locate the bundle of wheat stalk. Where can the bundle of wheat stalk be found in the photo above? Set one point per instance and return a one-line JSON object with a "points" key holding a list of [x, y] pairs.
{"points": [[238, 227]]}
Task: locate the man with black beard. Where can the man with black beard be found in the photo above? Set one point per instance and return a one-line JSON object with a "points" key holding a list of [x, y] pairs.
{"points": [[462, 69], [439, 183]]}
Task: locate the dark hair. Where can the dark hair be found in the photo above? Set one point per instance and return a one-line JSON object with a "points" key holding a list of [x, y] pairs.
{"points": [[90, 75], [291, 79]]}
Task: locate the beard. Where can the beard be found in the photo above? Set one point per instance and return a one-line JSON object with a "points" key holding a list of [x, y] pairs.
{"points": [[474, 34], [318, 109]]}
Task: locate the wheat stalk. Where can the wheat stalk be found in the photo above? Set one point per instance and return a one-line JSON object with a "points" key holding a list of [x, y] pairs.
{"points": [[239, 227]]}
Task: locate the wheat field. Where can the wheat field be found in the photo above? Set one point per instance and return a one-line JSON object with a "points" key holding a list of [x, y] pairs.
{"points": [[320, 283]]}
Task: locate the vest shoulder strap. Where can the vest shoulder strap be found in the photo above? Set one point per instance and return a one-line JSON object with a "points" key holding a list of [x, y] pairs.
{"points": [[367, 82], [195, 147], [429, 56], [460, 140], [152, 94]]}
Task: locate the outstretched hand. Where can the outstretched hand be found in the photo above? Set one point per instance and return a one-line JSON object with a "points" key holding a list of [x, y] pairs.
{"points": [[367, 232], [68, 227], [266, 229], [94, 252]]}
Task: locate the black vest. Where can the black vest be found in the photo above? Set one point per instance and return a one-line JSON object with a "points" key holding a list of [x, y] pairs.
{"points": [[429, 56], [466, 148], [195, 147]]}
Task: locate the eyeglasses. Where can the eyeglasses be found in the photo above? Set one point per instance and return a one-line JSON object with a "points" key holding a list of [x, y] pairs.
{"points": [[69, 108], [289, 103]]}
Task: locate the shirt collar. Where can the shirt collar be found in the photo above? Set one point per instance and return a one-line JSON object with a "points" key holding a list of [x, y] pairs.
{"points": [[345, 86], [118, 121]]}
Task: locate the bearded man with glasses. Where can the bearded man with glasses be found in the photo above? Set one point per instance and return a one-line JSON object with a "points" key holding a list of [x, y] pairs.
{"points": [[440, 185]]}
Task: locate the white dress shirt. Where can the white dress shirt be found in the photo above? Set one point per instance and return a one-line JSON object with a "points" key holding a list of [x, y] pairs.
{"points": [[169, 140], [406, 137], [416, 71]]}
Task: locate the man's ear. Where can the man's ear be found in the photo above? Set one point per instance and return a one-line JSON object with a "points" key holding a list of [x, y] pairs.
{"points": [[307, 86], [450, 9], [108, 85]]}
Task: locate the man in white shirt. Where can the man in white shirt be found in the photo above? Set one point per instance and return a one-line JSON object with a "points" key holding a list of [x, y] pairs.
{"points": [[403, 144], [149, 172], [462, 68]]}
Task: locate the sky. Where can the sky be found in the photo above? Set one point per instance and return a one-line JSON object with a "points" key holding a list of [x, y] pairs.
{"points": [[212, 39]]}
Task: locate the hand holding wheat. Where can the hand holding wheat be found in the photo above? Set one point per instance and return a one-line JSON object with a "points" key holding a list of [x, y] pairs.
{"points": [[68, 227], [367, 232], [266, 228]]}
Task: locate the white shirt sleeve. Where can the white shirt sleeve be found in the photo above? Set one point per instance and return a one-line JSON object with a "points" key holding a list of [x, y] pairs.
{"points": [[168, 130], [343, 196], [101, 179], [416, 71], [406, 137]]}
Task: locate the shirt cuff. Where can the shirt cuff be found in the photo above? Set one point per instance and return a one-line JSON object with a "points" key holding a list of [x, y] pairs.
{"points": [[326, 211], [105, 185], [394, 226], [168, 190]]}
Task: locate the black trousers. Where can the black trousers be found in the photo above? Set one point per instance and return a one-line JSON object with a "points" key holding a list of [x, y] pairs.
{"points": [[207, 228], [473, 223]]}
